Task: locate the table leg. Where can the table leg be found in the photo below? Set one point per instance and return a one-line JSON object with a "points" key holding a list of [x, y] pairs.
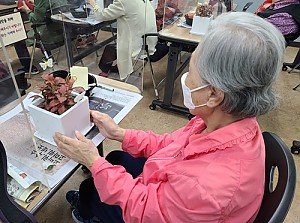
{"points": [[171, 76], [68, 45], [100, 149], [171, 73]]}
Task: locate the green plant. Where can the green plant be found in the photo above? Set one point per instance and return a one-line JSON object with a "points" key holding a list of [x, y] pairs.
{"points": [[57, 93]]}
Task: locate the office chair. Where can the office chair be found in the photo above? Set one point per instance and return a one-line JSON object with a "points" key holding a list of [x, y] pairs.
{"points": [[296, 63], [10, 211], [7, 88], [246, 6], [161, 50], [294, 12], [276, 202]]}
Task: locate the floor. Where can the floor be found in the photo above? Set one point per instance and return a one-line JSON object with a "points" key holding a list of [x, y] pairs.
{"points": [[284, 121]]}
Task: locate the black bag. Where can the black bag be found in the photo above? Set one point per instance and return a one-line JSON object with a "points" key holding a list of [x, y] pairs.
{"points": [[108, 57]]}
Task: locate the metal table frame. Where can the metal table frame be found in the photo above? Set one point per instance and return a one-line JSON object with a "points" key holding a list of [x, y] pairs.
{"points": [[74, 28], [180, 40]]}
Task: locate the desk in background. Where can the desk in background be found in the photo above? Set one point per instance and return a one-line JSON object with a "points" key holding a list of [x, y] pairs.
{"points": [[180, 40], [46, 194], [74, 28]]}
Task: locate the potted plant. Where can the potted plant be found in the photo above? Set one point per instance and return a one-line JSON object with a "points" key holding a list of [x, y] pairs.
{"points": [[201, 19], [59, 108]]}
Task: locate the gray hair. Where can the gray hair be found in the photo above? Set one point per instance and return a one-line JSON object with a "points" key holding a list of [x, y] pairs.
{"points": [[241, 55]]}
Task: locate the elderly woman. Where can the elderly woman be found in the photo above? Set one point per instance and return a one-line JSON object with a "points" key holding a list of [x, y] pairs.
{"points": [[211, 170]]}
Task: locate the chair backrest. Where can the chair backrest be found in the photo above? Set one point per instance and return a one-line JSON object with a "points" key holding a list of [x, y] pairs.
{"points": [[10, 211], [7, 88], [246, 6], [276, 202]]}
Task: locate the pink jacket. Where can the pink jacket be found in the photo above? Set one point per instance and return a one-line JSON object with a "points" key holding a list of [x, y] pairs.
{"points": [[189, 176]]}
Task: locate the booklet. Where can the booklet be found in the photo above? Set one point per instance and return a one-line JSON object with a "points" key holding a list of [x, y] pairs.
{"points": [[21, 186]]}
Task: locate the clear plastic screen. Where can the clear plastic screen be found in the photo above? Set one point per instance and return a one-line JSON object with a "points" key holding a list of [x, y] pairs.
{"points": [[27, 178], [34, 166], [173, 10]]}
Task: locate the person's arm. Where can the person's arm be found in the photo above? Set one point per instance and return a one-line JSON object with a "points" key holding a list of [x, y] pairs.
{"points": [[140, 143], [113, 11], [40, 9], [136, 142]]}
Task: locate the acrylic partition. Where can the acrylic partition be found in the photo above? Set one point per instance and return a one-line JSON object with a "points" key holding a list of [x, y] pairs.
{"points": [[34, 166], [170, 11], [29, 162]]}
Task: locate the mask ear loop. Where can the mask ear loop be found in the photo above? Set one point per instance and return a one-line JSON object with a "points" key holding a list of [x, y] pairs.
{"points": [[199, 88]]}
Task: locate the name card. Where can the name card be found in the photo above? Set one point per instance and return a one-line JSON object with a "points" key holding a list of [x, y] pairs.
{"points": [[12, 29], [80, 74]]}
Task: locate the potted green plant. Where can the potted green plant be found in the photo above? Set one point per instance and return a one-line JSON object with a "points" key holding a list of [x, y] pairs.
{"points": [[59, 108]]}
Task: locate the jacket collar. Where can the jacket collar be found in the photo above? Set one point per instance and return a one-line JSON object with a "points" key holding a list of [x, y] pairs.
{"points": [[220, 139]]}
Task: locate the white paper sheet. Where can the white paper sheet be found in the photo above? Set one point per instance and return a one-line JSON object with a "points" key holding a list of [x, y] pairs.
{"points": [[91, 19]]}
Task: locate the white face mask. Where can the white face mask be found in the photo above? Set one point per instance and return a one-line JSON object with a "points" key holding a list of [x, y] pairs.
{"points": [[187, 93]]}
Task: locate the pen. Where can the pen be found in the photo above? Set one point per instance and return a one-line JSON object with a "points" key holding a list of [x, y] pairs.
{"points": [[105, 88]]}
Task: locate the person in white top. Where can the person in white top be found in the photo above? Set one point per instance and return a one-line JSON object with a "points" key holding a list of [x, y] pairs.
{"points": [[134, 18]]}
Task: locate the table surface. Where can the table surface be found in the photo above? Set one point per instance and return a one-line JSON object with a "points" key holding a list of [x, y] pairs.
{"points": [[47, 194], [7, 6], [176, 33], [60, 18], [118, 84]]}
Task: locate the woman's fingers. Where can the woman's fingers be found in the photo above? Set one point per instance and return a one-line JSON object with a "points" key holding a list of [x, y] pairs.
{"points": [[80, 136]]}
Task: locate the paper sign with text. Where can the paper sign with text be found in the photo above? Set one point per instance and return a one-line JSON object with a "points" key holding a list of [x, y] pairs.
{"points": [[11, 28]]}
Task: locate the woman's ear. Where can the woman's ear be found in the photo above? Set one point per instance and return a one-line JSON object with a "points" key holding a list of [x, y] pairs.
{"points": [[216, 97]]}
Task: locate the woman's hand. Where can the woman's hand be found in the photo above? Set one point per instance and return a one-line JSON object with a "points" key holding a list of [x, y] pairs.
{"points": [[81, 149], [107, 127], [24, 7], [91, 2]]}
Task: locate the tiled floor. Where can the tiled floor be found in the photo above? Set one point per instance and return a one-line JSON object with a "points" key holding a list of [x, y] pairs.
{"points": [[284, 121]]}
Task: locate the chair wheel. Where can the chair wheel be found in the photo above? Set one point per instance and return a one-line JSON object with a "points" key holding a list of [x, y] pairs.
{"points": [[152, 107], [284, 68], [295, 149]]}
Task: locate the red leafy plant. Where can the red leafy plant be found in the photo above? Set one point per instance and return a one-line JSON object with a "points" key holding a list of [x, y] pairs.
{"points": [[203, 10], [57, 93]]}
